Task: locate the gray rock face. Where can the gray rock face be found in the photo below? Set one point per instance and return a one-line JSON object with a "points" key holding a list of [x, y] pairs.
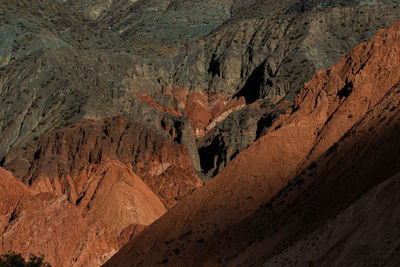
{"points": [[61, 61], [271, 59]]}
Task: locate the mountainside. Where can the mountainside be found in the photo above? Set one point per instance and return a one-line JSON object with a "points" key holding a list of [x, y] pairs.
{"points": [[75, 235], [191, 114], [111, 177], [191, 66], [63, 161], [371, 223], [281, 189]]}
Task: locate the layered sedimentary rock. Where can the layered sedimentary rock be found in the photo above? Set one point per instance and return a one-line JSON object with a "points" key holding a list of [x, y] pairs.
{"points": [[339, 141], [95, 184], [198, 63], [111, 110], [64, 161], [68, 234]]}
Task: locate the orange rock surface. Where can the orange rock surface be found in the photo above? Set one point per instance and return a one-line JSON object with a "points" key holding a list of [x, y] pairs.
{"points": [[62, 161], [89, 188], [87, 232]]}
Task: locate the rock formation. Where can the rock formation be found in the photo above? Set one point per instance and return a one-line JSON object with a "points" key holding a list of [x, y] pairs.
{"points": [[339, 141], [113, 113], [197, 62], [87, 232], [64, 161]]}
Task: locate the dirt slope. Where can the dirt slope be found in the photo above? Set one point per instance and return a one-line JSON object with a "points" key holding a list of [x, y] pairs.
{"points": [[365, 233], [359, 93]]}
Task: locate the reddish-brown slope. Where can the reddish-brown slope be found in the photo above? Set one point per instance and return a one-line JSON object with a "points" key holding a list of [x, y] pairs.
{"points": [[12, 192], [366, 155], [364, 234], [332, 103], [62, 161], [115, 206], [118, 197]]}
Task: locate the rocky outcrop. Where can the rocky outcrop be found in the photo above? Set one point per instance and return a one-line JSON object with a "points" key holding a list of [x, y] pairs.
{"points": [[79, 80], [267, 60], [188, 59], [115, 206], [340, 139], [112, 177], [63, 162]]}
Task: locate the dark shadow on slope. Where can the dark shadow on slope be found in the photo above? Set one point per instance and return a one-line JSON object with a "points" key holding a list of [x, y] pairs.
{"points": [[211, 155], [346, 91], [251, 91], [213, 67], [264, 123], [311, 199]]}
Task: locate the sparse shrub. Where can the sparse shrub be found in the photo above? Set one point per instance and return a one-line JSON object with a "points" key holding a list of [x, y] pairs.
{"points": [[16, 260]]}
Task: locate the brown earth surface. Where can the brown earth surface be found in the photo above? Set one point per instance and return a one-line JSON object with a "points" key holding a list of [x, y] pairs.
{"points": [[116, 206], [62, 161], [339, 141], [89, 188]]}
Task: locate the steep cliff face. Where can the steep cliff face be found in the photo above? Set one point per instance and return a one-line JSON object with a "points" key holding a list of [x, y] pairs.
{"points": [[267, 60], [64, 161], [110, 110], [340, 139]]}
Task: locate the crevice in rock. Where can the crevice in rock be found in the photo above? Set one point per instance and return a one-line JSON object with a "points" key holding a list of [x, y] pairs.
{"points": [[346, 91], [251, 91], [213, 67], [263, 124], [208, 155], [178, 127], [36, 156], [80, 199]]}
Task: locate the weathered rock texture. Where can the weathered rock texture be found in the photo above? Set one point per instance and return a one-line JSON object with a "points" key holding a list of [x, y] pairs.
{"points": [[84, 186], [339, 141], [111, 109], [198, 63], [68, 234], [63, 161]]}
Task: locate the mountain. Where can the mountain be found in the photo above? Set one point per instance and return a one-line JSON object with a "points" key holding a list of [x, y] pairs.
{"points": [[336, 150], [194, 68], [62, 161], [94, 184], [70, 235], [114, 114]]}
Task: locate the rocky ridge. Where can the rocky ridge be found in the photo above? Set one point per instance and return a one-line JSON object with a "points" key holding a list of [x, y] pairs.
{"points": [[62, 64], [63, 161], [100, 123], [242, 216], [75, 235]]}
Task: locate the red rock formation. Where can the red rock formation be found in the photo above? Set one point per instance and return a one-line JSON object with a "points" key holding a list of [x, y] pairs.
{"points": [[62, 161], [46, 225], [358, 93], [148, 100], [198, 111], [85, 199], [12, 193], [115, 206]]}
